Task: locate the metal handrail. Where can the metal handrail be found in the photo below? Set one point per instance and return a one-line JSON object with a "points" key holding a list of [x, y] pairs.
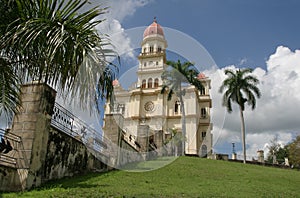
{"points": [[65, 121]]}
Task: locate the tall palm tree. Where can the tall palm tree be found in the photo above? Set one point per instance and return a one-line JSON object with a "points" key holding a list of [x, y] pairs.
{"points": [[174, 78], [56, 42], [240, 88]]}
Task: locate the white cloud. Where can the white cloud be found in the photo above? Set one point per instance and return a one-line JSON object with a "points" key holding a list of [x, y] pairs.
{"points": [[120, 9], [117, 12], [120, 41], [243, 61], [277, 110]]}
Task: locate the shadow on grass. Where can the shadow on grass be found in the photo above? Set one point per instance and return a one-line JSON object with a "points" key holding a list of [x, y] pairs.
{"points": [[76, 181], [148, 165]]}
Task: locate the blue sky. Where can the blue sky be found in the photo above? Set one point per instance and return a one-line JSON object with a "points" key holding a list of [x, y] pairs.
{"points": [[231, 30]]}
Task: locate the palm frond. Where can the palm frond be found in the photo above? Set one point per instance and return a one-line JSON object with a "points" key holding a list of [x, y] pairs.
{"points": [[178, 74], [55, 42], [9, 87], [239, 86]]}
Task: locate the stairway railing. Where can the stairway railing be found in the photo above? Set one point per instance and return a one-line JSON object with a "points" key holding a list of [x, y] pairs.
{"points": [[65, 121]]}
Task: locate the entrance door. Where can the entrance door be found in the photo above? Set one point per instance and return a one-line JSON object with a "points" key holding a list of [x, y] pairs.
{"points": [[203, 151]]}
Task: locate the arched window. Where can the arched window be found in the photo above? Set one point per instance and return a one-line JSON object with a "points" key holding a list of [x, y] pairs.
{"points": [[144, 84], [203, 112], [177, 107], [150, 83], [151, 49], [159, 49], [145, 50], [203, 134], [202, 91], [156, 83]]}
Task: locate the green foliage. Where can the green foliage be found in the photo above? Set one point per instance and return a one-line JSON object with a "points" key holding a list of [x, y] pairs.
{"points": [[294, 152], [240, 88], [9, 86], [275, 150], [178, 75], [281, 154], [56, 42], [185, 177]]}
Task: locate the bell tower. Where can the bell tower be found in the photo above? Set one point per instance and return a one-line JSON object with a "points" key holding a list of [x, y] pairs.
{"points": [[152, 58], [148, 116]]}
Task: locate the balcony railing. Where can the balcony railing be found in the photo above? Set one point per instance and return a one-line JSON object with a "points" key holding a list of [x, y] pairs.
{"points": [[152, 53]]}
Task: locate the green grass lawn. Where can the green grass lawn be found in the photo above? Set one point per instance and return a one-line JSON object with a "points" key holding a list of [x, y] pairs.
{"points": [[185, 177]]}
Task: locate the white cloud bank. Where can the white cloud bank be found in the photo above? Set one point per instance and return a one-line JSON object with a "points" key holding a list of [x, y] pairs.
{"points": [[117, 12], [277, 111]]}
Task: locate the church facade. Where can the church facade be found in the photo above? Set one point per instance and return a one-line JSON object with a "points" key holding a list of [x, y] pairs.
{"points": [[148, 117]]}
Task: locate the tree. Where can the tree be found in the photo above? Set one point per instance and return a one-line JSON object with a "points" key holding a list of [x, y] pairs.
{"points": [[55, 42], [282, 154], [276, 153], [240, 88], [174, 78], [294, 152]]}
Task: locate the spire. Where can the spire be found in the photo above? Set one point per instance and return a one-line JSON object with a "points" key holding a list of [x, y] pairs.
{"points": [[154, 20]]}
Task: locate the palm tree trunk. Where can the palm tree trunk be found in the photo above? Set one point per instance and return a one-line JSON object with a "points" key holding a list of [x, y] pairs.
{"points": [[183, 123], [243, 134]]}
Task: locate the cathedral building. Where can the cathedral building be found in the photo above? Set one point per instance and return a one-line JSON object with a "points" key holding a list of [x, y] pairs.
{"points": [[145, 116]]}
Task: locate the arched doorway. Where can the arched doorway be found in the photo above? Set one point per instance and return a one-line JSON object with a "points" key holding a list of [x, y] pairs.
{"points": [[203, 151]]}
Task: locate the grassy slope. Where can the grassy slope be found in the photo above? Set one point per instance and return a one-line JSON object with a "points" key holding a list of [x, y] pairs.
{"points": [[186, 177]]}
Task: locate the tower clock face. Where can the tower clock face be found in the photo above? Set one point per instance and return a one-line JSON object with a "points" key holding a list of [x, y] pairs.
{"points": [[149, 106]]}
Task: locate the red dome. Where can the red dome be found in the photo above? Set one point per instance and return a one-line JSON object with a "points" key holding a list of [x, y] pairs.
{"points": [[153, 29], [115, 82], [201, 76]]}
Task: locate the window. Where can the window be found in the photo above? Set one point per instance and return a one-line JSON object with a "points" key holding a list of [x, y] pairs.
{"points": [[144, 50], [151, 49], [150, 83], [159, 49], [177, 107], [203, 135], [145, 64], [121, 108], [202, 91], [156, 62], [203, 113], [156, 82], [144, 84]]}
